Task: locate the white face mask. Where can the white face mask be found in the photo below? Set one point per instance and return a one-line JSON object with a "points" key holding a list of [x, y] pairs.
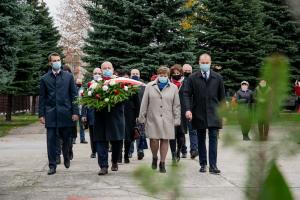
{"points": [[244, 87], [97, 77]]}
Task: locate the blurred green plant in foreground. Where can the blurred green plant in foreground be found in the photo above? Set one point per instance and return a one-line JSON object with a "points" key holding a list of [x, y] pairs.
{"points": [[157, 183], [265, 181]]}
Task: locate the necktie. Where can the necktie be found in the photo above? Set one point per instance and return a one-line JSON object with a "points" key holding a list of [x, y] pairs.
{"points": [[205, 75]]}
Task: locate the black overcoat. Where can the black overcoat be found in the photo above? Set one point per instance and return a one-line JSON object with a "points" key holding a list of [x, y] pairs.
{"points": [[110, 126], [203, 97], [57, 99]]}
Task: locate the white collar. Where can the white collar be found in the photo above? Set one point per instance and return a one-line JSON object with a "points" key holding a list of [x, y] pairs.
{"points": [[56, 72], [207, 73]]}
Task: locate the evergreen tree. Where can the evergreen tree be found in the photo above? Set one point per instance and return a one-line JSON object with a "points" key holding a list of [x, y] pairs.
{"points": [[10, 31], [49, 34], [233, 32], [279, 20], [29, 55], [139, 34]]}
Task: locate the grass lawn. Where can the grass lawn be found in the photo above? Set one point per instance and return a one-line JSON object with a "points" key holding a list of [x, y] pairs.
{"points": [[18, 120]]}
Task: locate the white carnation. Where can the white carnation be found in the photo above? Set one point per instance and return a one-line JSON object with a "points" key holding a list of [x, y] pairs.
{"points": [[125, 88], [106, 99], [112, 82], [89, 93], [94, 85], [105, 88]]}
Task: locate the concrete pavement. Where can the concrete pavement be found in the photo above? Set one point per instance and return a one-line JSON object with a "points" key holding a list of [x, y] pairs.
{"points": [[23, 173]]}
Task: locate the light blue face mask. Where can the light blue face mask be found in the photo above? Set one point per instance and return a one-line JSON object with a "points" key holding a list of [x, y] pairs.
{"points": [[205, 67], [56, 65], [107, 73], [163, 79]]}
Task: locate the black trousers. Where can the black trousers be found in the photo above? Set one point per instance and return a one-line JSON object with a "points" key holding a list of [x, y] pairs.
{"points": [[102, 151], [126, 144], [53, 135], [93, 145], [179, 140]]}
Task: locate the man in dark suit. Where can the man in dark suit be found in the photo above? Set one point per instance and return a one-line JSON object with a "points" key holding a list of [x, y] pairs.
{"points": [[205, 89], [57, 109], [109, 127]]}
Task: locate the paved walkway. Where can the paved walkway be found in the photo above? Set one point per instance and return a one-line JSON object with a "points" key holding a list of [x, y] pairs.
{"points": [[23, 168]]}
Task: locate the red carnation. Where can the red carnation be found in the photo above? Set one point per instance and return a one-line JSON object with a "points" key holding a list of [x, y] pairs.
{"points": [[97, 96], [82, 94], [89, 84], [117, 92], [123, 85]]}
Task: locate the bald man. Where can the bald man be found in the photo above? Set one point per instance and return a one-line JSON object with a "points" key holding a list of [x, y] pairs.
{"points": [[187, 70], [203, 93], [109, 127], [186, 124]]}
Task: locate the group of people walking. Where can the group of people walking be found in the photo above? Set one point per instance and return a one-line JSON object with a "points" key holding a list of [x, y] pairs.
{"points": [[175, 103]]}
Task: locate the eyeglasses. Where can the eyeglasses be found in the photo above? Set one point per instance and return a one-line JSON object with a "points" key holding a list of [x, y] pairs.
{"points": [[97, 73]]}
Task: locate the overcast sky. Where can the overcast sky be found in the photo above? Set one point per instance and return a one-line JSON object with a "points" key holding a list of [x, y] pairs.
{"points": [[53, 6]]}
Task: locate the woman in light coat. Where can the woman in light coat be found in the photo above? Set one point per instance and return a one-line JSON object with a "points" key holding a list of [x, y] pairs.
{"points": [[160, 112]]}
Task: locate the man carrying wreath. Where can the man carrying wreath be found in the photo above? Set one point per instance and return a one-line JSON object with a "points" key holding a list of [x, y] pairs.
{"points": [[109, 126]]}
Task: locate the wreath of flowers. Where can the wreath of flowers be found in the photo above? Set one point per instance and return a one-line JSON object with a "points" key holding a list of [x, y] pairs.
{"points": [[106, 94]]}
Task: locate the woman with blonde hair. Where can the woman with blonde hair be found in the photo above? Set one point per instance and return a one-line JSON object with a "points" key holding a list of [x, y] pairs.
{"points": [[160, 112]]}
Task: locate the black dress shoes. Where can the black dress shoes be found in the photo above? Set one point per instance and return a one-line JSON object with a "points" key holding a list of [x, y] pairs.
{"points": [[214, 170], [67, 163], [114, 167], [154, 163], [93, 155], [103, 171], [202, 169], [140, 155], [162, 167], [51, 171], [194, 154], [83, 142]]}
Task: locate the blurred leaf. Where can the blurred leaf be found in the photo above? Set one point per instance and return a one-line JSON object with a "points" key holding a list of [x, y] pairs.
{"points": [[275, 187]]}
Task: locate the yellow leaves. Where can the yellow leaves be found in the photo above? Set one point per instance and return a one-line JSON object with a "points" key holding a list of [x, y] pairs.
{"points": [[186, 23], [190, 3]]}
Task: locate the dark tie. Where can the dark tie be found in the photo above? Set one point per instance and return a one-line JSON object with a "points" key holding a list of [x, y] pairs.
{"points": [[205, 75]]}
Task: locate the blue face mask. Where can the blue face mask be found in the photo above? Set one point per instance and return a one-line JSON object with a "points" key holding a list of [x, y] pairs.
{"points": [[205, 67], [163, 79], [56, 65], [107, 73], [135, 78]]}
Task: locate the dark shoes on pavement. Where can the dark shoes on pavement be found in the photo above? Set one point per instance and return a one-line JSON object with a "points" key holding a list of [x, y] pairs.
{"points": [[93, 155], [194, 154], [162, 167], [67, 163], [246, 138], [214, 170], [140, 155], [114, 167], [51, 171], [83, 142], [184, 155], [103, 171], [154, 163], [203, 169]]}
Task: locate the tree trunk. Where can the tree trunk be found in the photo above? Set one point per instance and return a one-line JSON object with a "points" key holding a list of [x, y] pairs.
{"points": [[9, 107], [33, 107]]}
